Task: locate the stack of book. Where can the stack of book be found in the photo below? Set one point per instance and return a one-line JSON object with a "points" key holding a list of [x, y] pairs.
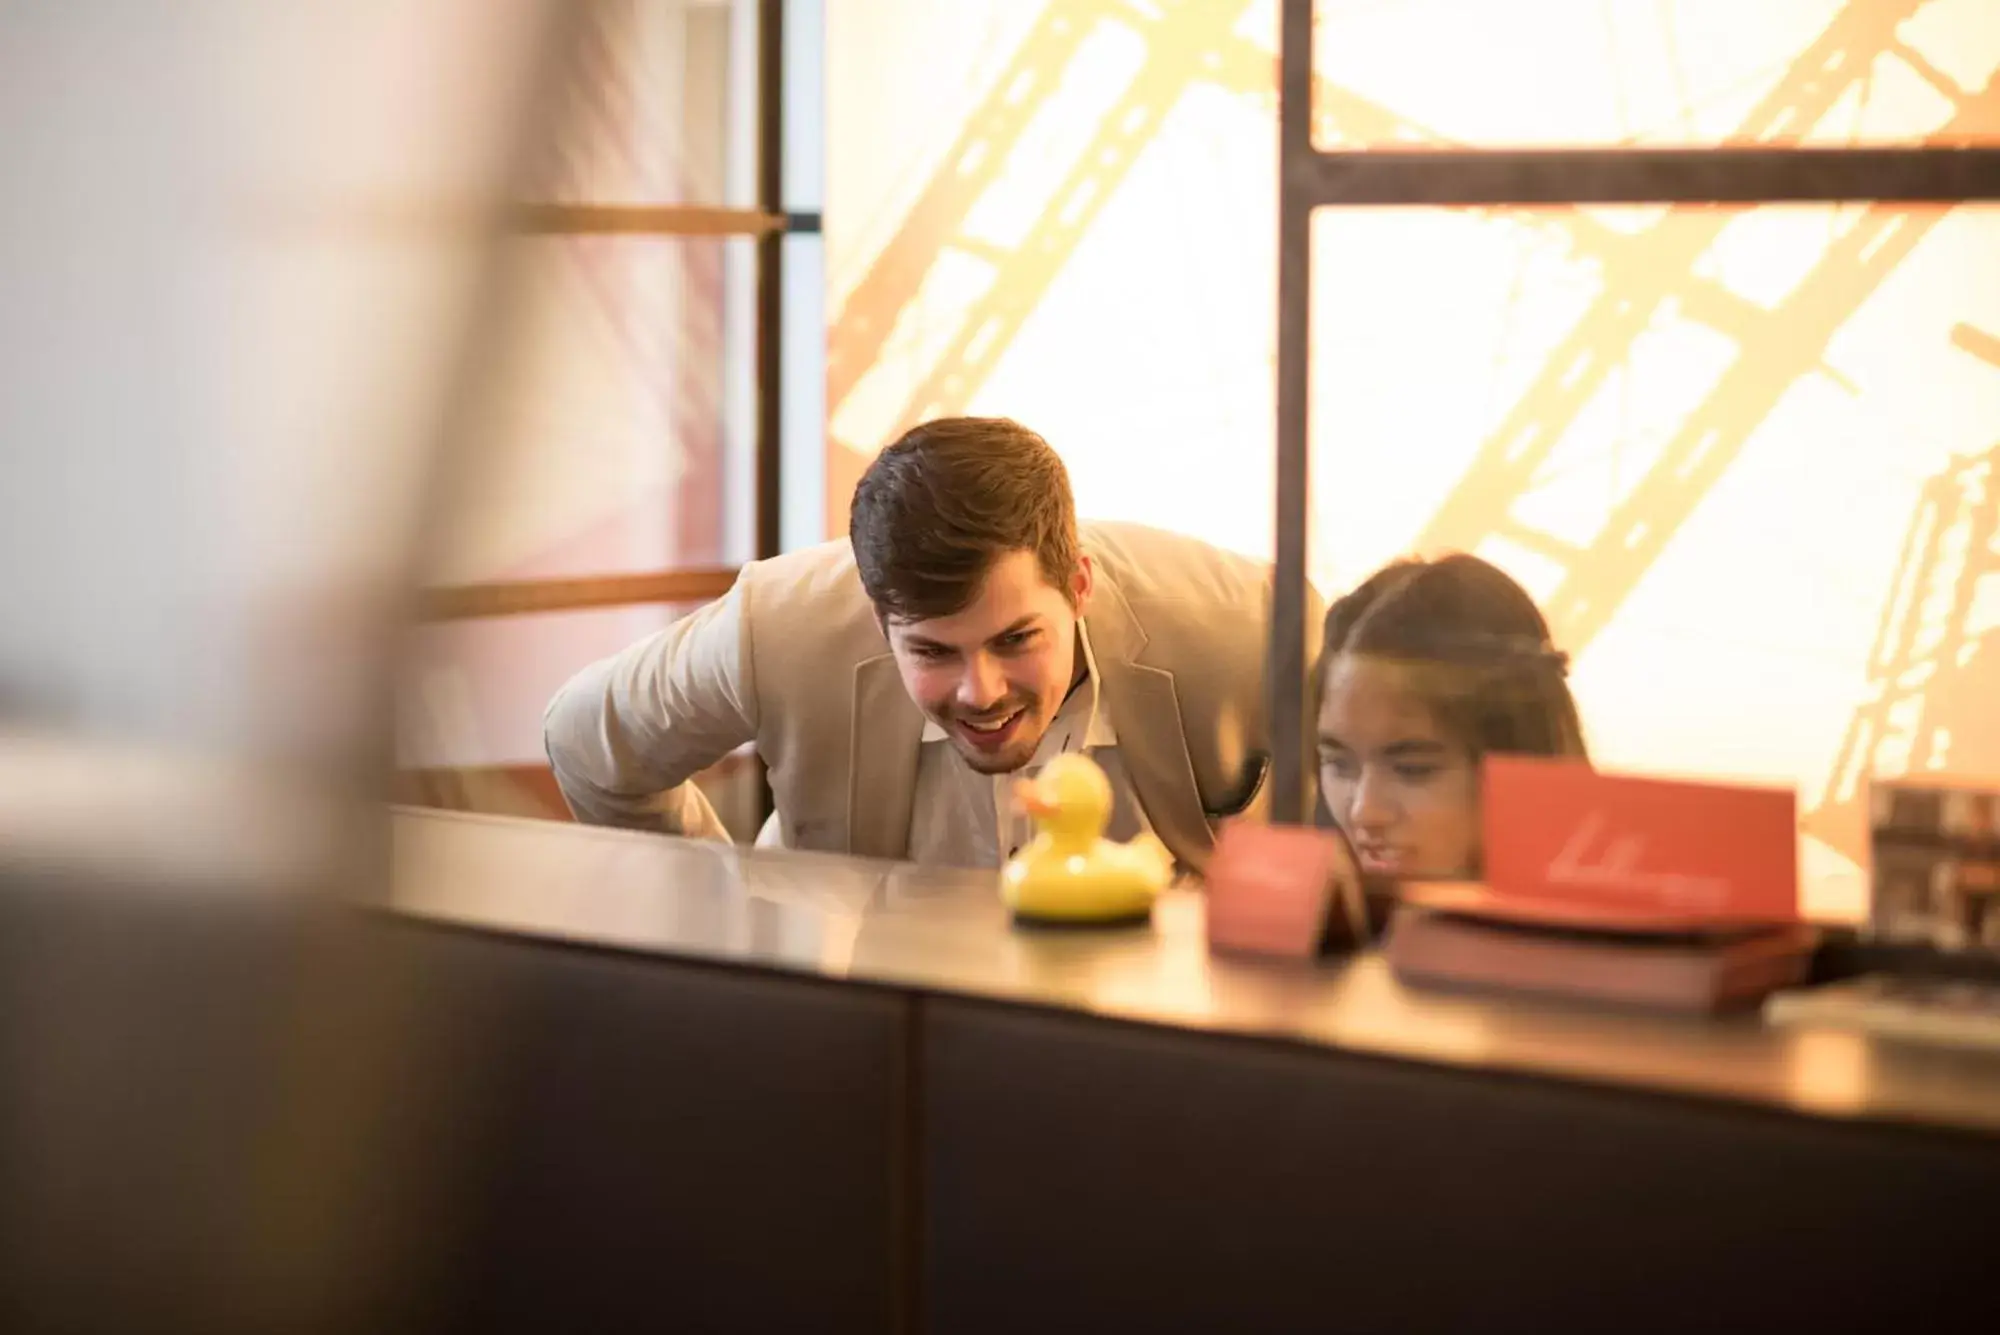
{"points": [[1705, 971], [1636, 892]]}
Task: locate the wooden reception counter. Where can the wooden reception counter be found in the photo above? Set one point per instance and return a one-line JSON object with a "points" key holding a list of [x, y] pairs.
{"points": [[966, 1126], [944, 933]]}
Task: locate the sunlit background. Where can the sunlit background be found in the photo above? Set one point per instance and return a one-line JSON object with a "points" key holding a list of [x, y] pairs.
{"points": [[1718, 444], [343, 341], [1743, 456]]}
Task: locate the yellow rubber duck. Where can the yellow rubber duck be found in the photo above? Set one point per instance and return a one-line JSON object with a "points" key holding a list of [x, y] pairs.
{"points": [[1070, 873]]}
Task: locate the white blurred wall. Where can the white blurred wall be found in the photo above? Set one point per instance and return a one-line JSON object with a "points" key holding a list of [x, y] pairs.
{"points": [[241, 247]]}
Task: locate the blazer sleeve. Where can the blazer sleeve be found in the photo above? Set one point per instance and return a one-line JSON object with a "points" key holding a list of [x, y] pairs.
{"points": [[625, 735]]}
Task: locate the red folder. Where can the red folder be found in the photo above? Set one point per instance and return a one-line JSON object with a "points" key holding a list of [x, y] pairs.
{"points": [[1270, 888], [1566, 845]]}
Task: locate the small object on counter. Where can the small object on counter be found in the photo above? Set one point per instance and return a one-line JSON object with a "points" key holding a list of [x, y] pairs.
{"points": [[1290, 891], [1952, 1011], [1566, 843], [1701, 972], [1934, 842], [1070, 874], [1632, 891]]}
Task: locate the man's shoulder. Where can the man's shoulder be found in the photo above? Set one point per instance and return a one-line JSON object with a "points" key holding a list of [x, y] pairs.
{"points": [[821, 570], [1172, 573], [813, 598], [821, 579]]}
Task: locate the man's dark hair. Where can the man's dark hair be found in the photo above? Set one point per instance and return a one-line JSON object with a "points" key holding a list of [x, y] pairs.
{"points": [[938, 507]]}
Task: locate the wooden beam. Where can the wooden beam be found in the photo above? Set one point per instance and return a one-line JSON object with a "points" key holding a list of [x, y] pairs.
{"points": [[642, 220], [459, 602]]}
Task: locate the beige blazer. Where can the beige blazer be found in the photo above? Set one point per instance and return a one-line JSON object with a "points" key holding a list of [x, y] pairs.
{"points": [[793, 660]]}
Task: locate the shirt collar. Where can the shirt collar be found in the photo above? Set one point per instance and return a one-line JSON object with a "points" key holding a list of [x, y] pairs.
{"points": [[1089, 690]]}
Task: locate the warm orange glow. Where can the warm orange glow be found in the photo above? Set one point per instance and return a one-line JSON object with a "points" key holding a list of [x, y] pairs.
{"points": [[1745, 457], [615, 433], [620, 420]]}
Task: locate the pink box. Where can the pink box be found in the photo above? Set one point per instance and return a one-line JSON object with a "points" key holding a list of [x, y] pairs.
{"points": [[1270, 887]]}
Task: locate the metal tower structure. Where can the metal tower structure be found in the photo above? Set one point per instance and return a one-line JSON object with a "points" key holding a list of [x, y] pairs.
{"points": [[1648, 275], [1644, 275], [1188, 42], [1933, 698]]}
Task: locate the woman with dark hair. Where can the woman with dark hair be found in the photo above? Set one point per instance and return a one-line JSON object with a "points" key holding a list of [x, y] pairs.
{"points": [[1426, 668]]}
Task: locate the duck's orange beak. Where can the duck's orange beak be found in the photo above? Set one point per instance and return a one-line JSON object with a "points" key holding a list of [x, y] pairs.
{"points": [[1029, 798]]}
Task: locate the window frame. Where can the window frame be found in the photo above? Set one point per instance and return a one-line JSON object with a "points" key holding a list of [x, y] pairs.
{"points": [[1311, 178]]}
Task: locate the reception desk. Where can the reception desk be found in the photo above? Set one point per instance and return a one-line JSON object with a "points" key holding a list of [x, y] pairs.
{"points": [[572, 1079], [770, 1089]]}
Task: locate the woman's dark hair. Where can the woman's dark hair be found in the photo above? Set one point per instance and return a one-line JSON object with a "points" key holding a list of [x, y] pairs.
{"points": [[1472, 646]]}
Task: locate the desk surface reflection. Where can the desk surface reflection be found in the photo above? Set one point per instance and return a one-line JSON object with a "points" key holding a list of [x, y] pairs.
{"points": [[944, 931]]}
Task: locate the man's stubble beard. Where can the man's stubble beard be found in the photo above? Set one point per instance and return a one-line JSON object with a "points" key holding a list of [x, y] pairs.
{"points": [[980, 763], [995, 766]]}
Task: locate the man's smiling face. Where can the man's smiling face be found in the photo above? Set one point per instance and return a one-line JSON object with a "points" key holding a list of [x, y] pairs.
{"points": [[994, 673]]}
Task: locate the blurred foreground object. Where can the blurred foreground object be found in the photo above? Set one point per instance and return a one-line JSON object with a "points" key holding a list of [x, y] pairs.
{"points": [[242, 250], [245, 255]]}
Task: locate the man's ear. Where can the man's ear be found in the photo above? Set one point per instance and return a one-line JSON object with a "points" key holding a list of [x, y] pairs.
{"points": [[1081, 583]]}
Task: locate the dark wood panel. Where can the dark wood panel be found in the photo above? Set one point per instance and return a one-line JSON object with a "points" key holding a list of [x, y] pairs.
{"points": [[1160, 1181], [675, 1147], [235, 1115]]}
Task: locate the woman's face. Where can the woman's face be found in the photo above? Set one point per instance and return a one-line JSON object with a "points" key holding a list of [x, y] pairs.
{"points": [[1405, 792]]}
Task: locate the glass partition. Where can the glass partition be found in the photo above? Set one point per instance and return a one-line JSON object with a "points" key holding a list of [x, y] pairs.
{"points": [[619, 464], [1741, 455], [1677, 73]]}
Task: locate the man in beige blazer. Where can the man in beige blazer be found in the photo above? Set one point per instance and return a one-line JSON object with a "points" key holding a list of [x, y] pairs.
{"points": [[968, 628]]}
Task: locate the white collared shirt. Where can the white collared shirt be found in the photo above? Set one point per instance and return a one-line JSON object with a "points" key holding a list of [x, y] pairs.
{"points": [[962, 818]]}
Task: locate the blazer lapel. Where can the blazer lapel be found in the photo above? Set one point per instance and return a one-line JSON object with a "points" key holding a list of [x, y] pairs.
{"points": [[885, 731], [1146, 711]]}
